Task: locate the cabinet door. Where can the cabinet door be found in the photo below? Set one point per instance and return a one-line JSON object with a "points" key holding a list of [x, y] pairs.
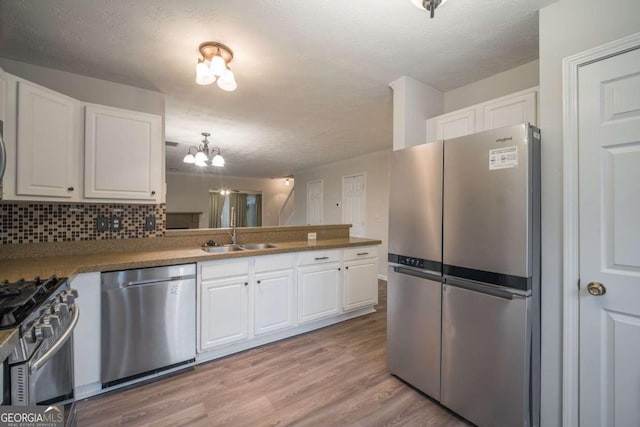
{"points": [[3, 95], [223, 312], [123, 154], [456, 124], [360, 285], [273, 301], [46, 143], [510, 110], [318, 291]]}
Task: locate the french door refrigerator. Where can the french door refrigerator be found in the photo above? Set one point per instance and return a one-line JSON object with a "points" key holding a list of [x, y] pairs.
{"points": [[414, 286], [490, 298]]}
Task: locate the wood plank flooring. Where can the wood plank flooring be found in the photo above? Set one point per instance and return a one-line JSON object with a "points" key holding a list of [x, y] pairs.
{"points": [[335, 376]]}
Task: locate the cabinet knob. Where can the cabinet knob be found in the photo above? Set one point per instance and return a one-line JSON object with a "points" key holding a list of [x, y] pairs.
{"points": [[246, 283], [70, 189], [258, 281], [153, 193], [346, 268], [339, 269]]}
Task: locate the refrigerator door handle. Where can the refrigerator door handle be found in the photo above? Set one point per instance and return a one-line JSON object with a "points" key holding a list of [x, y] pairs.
{"points": [[483, 289], [415, 273]]}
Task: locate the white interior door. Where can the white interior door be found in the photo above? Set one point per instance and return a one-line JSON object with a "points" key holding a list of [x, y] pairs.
{"points": [[354, 203], [609, 203], [315, 202]]}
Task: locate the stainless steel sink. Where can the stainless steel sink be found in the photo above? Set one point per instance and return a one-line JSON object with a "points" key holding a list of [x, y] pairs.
{"points": [[256, 246], [222, 249]]}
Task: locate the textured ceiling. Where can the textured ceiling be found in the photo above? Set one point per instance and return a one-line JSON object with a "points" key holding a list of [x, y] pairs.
{"points": [[312, 75]]}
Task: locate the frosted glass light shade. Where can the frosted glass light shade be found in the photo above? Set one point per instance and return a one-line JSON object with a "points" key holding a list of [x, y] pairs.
{"points": [[203, 74], [189, 158], [217, 161], [201, 157], [227, 81], [201, 163], [218, 65]]}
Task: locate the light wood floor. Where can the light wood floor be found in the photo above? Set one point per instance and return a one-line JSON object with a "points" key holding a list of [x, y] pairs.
{"points": [[335, 376]]}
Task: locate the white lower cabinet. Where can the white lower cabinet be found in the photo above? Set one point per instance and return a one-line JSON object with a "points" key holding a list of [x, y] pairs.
{"points": [[86, 335], [223, 303], [360, 277], [273, 301], [318, 291]]}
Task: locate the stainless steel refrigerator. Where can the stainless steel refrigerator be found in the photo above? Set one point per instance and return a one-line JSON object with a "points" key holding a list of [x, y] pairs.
{"points": [[489, 302]]}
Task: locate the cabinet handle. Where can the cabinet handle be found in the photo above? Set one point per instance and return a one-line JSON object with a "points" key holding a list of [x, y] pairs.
{"points": [[363, 253], [321, 258], [70, 189], [153, 193], [346, 268], [246, 283], [258, 282], [339, 269]]}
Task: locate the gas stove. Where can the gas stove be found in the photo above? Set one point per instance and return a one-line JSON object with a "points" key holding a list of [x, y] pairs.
{"points": [[41, 364]]}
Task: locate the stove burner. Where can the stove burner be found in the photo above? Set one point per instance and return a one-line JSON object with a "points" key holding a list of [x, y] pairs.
{"points": [[19, 299]]}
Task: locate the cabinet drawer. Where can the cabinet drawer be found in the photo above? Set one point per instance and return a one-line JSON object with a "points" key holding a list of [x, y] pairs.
{"points": [[224, 268], [360, 253], [274, 262], [319, 257]]}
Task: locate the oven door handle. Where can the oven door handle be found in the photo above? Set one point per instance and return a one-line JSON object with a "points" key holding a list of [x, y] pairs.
{"points": [[40, 362]]}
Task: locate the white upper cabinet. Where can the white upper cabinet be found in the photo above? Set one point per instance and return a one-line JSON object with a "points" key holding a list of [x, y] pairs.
{"points": [[46, 143], [123, 154], [455, 124], [508, 110]]}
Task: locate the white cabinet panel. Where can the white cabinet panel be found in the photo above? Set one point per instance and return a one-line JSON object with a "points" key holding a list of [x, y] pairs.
{"points": [[360, 284], [46, 143], [318, 295], [510, 110], [86, 336], [456, 124], [223, 312], [3, 95], [123, 157], [273, 301]]}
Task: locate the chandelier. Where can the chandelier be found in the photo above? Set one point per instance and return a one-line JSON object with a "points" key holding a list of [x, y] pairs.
{"points": [[430, 5], [213, 66], [201, 157]]}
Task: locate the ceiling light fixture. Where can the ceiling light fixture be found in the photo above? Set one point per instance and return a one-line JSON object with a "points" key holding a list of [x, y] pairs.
{"points": [[214, 65], [201, 157], [430, 5]]}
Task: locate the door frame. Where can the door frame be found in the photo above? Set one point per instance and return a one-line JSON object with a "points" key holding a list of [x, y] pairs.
{"points": [[571, 249]]}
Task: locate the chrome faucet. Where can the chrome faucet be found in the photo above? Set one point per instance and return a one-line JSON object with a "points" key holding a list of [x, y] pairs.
{"points": [[234, 235]]}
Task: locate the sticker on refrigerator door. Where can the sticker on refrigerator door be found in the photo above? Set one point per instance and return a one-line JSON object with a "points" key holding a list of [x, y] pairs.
{"points": [[503, 158]]}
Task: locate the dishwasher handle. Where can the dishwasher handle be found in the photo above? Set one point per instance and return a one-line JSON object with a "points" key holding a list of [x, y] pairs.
{"points": [[151, 281], [486, 289]]}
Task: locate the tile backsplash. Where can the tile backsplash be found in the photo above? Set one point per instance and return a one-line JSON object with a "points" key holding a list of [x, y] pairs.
{"points": [[27, 222]]}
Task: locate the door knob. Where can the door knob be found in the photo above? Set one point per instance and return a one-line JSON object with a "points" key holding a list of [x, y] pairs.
{"points": [[596, 289]]}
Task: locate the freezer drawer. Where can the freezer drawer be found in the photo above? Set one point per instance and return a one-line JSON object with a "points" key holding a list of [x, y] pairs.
{"points": [[413, 330], [486, 356]]}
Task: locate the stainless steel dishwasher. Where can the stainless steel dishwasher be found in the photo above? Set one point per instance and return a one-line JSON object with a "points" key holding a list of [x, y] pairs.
{"points": [[148, 321]]}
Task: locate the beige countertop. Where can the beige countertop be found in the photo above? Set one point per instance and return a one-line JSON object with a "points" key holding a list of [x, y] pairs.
{"points": [[8, 340], [68, 265]]}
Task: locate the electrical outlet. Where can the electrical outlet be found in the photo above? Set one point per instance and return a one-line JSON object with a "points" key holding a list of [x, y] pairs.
{"points": [[150, 223], [102, 224], [116, 223], [311, 236]]}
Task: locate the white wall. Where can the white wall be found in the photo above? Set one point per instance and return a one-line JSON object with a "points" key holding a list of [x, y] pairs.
{"points": [[413, 103], [190, 193], [514, 80], [567, 27], [376, 168]]}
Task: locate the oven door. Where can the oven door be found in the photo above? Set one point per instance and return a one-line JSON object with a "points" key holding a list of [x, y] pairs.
{"points": [[47, 377]]}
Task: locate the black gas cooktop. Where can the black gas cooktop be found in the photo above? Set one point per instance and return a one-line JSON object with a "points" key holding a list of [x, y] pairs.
{"points": [[19, 299]]}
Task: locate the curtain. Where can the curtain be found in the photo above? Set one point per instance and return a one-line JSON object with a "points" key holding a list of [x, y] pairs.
{"points": [[241, 210], [258, 210], [216, 204]]}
